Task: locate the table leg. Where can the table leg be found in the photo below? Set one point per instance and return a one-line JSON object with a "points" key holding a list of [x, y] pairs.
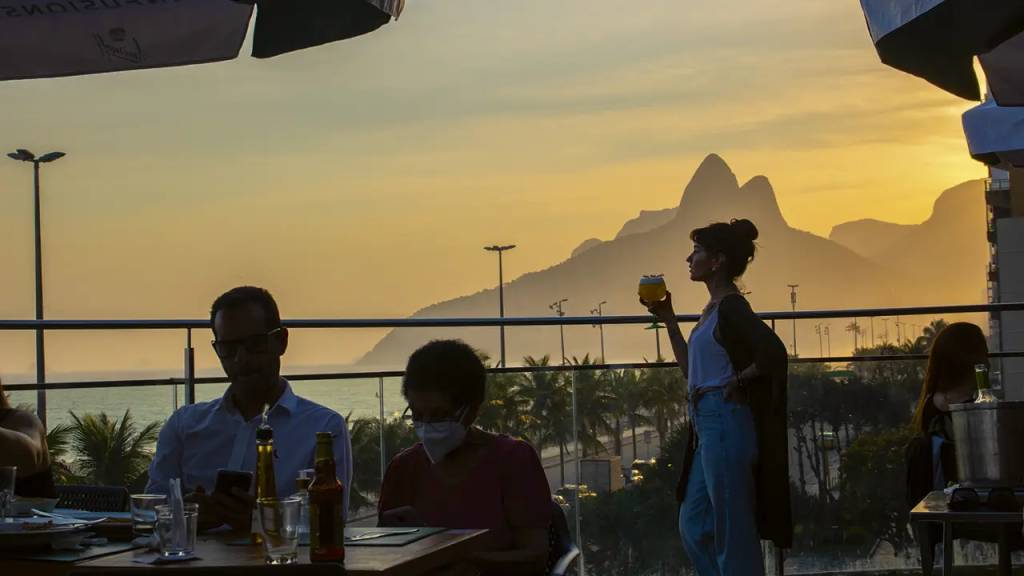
{"points": [[926, 546], [947, 548], [1004, 550]]}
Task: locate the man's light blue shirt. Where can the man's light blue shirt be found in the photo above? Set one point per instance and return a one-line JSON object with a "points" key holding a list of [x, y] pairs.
{"points": [[199, 439]]}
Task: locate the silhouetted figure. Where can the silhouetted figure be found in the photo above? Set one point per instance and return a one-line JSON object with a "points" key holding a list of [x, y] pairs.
{"points": [[459, 476], [734, 487], [201, 438], [23, 444]]}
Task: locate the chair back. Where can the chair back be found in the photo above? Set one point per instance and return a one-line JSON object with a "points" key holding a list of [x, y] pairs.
{"points": [[563, 553], [92, 498]]}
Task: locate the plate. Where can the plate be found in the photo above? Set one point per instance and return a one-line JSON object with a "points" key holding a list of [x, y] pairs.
{"points": [[15, 527]]}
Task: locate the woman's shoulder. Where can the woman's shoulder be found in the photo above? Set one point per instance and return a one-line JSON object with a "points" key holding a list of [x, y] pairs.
{"points": [[21, 420]]}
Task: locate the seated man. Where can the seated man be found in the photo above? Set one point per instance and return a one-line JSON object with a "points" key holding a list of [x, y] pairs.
{"points": [[201, 438], [459, 476]]}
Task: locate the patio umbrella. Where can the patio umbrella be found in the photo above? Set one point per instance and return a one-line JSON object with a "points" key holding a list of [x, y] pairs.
{"points": [[995, 134], [288, 25], [937, 40], [43, 39], [1004, 70]]}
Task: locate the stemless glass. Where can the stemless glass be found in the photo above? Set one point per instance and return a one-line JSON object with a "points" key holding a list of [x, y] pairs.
{"points": [[8, 476], [170, 547], [144, 512], [279, 524]]}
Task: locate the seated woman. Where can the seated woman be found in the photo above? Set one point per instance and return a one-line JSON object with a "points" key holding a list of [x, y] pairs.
{"points": [[23, 444], [459, 476], [931, 454]]}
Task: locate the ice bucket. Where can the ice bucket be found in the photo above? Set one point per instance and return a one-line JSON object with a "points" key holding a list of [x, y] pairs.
{"points": [[989, 442]]}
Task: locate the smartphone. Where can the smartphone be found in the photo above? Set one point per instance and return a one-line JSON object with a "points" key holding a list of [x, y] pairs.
{"points": [[229, 479]]}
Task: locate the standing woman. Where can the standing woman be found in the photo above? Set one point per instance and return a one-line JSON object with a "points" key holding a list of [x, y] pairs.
{"points": [[23, 444], [734, 487]]}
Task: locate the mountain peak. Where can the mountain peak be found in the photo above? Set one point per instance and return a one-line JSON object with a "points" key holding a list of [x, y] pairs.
{"points": [[713, 175]]}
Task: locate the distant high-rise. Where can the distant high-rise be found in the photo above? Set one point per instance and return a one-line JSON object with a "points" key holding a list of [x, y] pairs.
{"points": [[1004, 196]]}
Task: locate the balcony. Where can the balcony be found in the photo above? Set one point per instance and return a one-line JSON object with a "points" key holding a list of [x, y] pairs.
{"points": [[847, 413], [997, 184]]}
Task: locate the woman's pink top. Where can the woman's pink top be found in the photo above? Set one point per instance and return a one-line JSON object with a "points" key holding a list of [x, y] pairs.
{"points": [[506, 490]]}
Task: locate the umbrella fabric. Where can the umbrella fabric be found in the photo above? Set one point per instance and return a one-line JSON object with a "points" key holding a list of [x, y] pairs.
{"points": [[995, 134], [937, 40], [69, 37], [288, 25], [1004, 70]]}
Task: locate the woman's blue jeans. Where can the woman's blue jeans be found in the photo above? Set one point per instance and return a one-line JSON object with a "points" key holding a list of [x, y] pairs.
{"points": [[717, 520]]}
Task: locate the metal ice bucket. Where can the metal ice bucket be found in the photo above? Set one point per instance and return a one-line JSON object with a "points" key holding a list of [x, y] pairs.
{"points": [[989, 442]]}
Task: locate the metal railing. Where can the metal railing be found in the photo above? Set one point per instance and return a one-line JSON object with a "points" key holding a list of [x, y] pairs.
{"points": [[997, 184]]}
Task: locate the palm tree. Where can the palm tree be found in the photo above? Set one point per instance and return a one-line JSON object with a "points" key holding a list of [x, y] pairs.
{"points": [[365, 438], [928, 334], [506, 409], [550, 413], [58, 443], [112, 452], [665, 396], [856, 330], [628, 401], [593, 405]]}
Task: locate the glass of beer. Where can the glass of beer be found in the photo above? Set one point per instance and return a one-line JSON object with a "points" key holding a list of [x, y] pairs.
{"points": [[652, 288]]}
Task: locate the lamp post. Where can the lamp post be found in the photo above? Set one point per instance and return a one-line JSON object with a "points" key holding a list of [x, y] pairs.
{"points": [[557, 308], [792, 300], [828, 340], [25, 156], [501, 293], [600, 325], [817, 330]]}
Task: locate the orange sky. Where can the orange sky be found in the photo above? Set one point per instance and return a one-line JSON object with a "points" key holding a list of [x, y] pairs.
{"points": [[362, 178]]}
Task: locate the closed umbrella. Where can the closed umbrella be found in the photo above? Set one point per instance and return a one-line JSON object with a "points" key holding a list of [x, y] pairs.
{"points": [[937, 40], [43, 39], [995, 134]]}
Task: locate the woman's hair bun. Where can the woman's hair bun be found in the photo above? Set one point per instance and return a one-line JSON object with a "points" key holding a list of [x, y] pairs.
{"points": [[743, 229]]}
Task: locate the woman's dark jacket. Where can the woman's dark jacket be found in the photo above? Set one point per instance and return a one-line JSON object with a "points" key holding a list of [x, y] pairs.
{"points": [[748, 340]]}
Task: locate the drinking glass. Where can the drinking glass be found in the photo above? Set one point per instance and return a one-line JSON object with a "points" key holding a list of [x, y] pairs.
{"points": [[144, 512], [652, 288], [171, 547], [279, 524], [8, 476]]}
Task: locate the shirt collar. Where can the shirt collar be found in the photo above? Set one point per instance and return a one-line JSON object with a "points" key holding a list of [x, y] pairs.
{"points": [[288, 401]]}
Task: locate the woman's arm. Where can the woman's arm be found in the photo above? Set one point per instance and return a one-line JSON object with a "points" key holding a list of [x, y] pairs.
{"points": [[23, 443], [664, 312]]}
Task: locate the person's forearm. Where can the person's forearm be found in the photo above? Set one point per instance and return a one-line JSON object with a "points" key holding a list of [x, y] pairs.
{"points": [[679, 348], [18, 449]]}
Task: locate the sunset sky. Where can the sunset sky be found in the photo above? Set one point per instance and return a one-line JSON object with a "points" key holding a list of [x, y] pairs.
{"points": [[362, 178]]}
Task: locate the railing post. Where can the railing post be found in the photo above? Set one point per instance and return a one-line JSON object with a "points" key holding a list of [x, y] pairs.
{"points": [[190, 369], [383, 448]]}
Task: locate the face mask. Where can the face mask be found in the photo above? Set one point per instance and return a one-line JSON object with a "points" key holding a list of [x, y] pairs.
{"points": [[440, 438]]}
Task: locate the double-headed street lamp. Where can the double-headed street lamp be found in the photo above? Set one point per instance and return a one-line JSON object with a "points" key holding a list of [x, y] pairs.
{"points": [[25, 156], [600, 325], [557, 308], [501, 292]]}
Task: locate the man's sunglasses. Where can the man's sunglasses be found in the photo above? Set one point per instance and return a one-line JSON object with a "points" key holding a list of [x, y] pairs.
{"points": [[255, 344]]}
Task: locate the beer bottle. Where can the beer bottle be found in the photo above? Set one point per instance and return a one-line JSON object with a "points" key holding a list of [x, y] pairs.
{"points": [[266, 486], [326, 506]]}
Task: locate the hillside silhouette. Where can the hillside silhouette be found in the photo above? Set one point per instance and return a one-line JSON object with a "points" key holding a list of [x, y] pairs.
{"points": [[865, 264]]}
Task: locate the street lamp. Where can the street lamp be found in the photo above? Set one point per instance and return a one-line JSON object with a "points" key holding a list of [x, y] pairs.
{"points": [[600, 325], [501, 292], [25, 156], [557, 308], [792, 300], [817, 330]]}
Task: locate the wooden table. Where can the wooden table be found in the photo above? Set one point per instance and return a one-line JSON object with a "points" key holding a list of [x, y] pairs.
{"points": [[935, 508], [416, 558]]}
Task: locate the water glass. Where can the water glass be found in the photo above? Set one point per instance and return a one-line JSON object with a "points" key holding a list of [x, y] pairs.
{"points": [[170, 547], [279, 524], [144, 512], [8, 476]]}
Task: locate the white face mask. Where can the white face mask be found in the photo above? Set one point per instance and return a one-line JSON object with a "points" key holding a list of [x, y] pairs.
{"points": [[440, 438]]}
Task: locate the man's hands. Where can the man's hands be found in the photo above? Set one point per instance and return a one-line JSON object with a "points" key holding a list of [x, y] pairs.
{"points": [[217, 509]]}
